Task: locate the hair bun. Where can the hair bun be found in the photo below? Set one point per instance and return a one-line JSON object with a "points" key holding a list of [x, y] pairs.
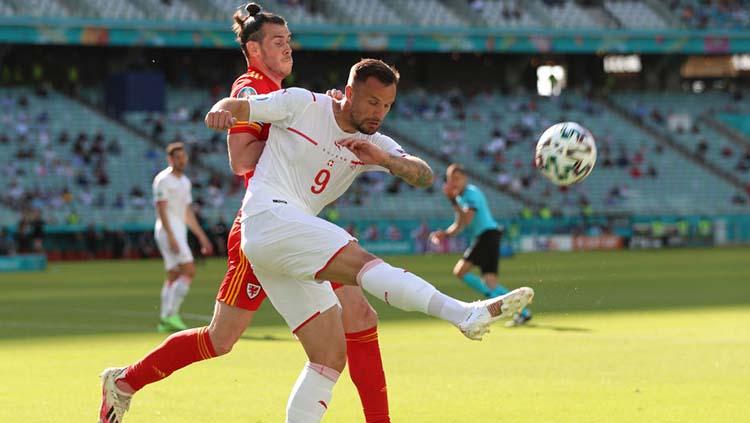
{"points": [[253, 9]]}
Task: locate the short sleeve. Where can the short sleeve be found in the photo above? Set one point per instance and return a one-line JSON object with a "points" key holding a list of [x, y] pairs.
{"points": [[245, 89], [470, 199], [160, 189], [279, 107]]}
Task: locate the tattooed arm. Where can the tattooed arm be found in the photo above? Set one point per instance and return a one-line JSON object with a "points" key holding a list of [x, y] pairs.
{"points": [[411, 169]]}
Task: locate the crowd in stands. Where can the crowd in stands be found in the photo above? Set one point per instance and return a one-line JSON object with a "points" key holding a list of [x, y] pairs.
{"points": [[701, 14], [685, 126], [70, 170], [714, 14]]}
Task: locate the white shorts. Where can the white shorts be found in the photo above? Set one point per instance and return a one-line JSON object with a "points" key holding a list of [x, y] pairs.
{"points": [[171, 259], [287, 248]]}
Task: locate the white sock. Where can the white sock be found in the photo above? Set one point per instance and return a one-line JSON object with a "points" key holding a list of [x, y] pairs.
{"points": [[311, 394], [408, 291], [447, 308], [180, 288], [166, 299]]}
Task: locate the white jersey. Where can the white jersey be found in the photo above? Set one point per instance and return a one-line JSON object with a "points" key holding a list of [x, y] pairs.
{"points": [[176, 191], [302, 164]]}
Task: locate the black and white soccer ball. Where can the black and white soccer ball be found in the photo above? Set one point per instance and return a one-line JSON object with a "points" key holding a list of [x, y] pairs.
{"points": [[565, 153]]}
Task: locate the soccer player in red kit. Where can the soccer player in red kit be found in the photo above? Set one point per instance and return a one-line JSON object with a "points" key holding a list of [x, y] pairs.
{"points": [[266, 43]]}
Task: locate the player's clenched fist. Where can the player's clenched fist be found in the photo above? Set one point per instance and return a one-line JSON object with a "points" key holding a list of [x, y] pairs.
{"points": [[220, 120]]}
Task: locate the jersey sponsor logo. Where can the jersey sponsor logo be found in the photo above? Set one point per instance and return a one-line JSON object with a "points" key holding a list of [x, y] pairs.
{"points": [[246, 92], [252, 290]]}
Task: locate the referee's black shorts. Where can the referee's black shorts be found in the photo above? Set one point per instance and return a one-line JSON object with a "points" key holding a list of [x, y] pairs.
{"points": [[484, 251]]}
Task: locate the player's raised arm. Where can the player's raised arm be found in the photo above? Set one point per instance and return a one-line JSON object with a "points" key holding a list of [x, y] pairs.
{"points": [[279, 107], [226, 113]]}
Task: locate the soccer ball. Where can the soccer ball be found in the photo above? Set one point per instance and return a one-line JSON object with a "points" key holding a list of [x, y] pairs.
{"points": [[565, 153]]}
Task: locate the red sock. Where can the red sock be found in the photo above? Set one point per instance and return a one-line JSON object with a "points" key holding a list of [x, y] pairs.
{"points": [[366, 371], [177, 351]]}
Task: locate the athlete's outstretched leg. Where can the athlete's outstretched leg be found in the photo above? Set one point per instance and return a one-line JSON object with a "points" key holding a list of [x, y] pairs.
{"points": [[404, 290]]}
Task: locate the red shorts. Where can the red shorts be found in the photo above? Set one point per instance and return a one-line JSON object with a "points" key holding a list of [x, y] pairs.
{"points": [[240, 287]]}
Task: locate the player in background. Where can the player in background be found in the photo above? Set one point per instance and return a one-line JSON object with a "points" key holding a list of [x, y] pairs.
{"points": [[473, 216], [265, 41], [172, 199], [316, 148]]}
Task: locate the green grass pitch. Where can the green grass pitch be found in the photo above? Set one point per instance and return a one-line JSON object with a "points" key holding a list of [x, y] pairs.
{"points": [[652, 336]]}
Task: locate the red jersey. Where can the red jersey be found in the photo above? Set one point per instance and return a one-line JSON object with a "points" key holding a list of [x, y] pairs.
{"points": [[250, 83]]}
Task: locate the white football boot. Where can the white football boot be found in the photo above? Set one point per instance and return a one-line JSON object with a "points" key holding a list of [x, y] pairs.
{"points": [[483, 313], [114, 402]]}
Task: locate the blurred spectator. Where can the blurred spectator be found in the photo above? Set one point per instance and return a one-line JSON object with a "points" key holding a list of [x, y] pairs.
{"points": [[219, 233], [137, 197], [421, 237], [119, 202], [476, 5], [371, 233], [738, 199], [36, 232], [92, 239], [7, 243], [114, 147], [393, 233]]}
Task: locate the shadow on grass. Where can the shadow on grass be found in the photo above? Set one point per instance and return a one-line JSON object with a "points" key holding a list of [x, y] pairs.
{"points": [[554, 328], [271, 338]]}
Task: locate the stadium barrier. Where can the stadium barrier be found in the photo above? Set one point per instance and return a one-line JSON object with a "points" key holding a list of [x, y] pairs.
{"points": [[108, 32], [23, 263], [411, 236]]}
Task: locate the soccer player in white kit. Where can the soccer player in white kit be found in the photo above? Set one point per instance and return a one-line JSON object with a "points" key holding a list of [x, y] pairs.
{"points": [[316, 147], [172, 199]]}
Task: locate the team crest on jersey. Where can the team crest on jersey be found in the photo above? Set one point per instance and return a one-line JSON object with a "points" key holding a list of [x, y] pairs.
{"points": [[246, 92], [252, 290]]}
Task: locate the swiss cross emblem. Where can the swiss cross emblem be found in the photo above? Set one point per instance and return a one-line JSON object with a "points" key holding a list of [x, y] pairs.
{"points": [[330, 163], [252, 290]]}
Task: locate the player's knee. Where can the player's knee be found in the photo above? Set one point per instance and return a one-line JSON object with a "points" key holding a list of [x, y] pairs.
{"points": [[334, 356], [223, 347], [223, 336], [366, 315], [369, 316], [188, 271], [459, 271], [173, 274]]}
